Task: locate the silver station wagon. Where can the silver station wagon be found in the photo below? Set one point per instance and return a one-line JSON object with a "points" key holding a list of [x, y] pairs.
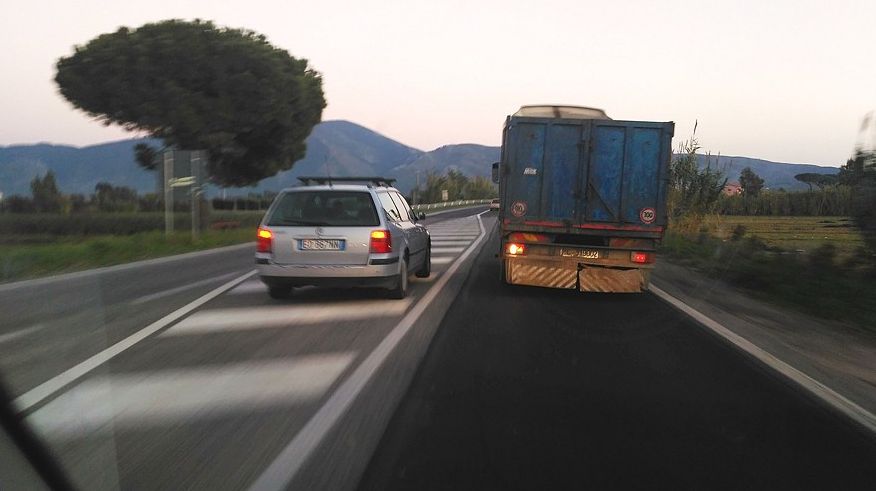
{"points": [[332, 232]]}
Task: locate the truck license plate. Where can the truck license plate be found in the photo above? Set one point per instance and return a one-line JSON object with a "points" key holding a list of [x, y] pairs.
{"points": [[322, 245], [583, 253]]}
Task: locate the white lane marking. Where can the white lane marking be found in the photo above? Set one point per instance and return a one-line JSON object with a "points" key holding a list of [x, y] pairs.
{"points": [[248, 287], [173, 291], [823, 392], [58, 382], [447, 250], [282, 470], [443, 259], [10, 336], [446, 243], [248, 318], [173, 395]]}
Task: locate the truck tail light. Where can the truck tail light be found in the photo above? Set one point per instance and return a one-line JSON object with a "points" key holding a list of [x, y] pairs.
{"points": [[381, 242], [642, 257], [515, 249], [264, 238]]}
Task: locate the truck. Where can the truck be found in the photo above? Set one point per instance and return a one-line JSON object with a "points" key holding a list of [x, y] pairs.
{"points": [[582, 198]]}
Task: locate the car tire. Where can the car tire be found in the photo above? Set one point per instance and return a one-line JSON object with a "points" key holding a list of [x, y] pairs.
{"points": [[426, 270], [400, 290], [280, 292]]}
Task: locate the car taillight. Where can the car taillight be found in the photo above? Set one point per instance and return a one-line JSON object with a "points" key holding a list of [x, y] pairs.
{"points": [[381, 242], [264, 238], [515, 249], [642, 257]]}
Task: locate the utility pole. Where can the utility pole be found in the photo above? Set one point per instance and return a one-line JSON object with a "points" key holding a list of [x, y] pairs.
{"points": [[417, 190], [168, 192]]}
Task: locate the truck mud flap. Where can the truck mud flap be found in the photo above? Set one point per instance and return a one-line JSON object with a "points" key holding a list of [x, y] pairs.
{"points": [[541, 273], [611, 280]]}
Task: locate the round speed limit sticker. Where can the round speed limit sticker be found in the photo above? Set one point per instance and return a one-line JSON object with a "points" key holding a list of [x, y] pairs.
{"points": [[518, 209], [647, 215]]}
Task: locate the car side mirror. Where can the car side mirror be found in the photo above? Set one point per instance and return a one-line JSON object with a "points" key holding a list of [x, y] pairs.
{"points": [[496, 172], [421, 216]]}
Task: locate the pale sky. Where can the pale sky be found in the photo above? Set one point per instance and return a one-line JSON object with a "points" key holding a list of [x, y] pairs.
{"points": [[781, 80]]}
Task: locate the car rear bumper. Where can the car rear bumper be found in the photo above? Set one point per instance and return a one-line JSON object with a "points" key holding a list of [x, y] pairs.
{"points": [[377, 275]]}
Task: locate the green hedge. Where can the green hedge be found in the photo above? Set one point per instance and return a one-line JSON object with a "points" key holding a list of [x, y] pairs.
{"points": [[110, 223]]}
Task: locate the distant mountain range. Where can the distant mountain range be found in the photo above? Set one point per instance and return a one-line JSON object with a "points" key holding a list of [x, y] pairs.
{"points": [[339, 147]]}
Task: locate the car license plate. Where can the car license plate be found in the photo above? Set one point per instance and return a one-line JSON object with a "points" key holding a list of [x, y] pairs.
{"points": [[321, 245], [583, 253]]}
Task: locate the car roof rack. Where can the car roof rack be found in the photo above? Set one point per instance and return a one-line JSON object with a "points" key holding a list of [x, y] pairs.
{"points": [[321, 180]]}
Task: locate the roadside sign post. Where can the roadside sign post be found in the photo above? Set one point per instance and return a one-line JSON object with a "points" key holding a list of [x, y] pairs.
{"points": [[196, 193], [168, 192]]}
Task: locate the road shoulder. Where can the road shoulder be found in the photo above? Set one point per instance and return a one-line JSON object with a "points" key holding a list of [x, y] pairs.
{"points": [[836, 355]]}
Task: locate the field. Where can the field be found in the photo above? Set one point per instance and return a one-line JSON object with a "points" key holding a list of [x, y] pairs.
{"points": [[801, 234], [817, 265]]}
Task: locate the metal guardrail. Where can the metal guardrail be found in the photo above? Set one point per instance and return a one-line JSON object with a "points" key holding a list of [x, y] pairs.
{"points": [[450, 204]]}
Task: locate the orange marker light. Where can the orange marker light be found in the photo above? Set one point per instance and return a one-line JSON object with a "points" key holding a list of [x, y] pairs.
{"points": [[516, 249]]}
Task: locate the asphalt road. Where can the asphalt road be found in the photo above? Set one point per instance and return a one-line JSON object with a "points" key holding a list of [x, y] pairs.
{"points": [[526, 388], [208, 399], [521, 388]]}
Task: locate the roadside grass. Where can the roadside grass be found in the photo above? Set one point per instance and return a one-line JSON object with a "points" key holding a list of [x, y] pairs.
{"points": [[803, 263], [25, 257], [800, 233]]}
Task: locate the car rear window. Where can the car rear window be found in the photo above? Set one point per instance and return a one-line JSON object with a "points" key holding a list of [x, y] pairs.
{"points": [[324, 208]]}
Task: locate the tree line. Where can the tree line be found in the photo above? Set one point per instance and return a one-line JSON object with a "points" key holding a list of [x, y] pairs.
{"points": [[46, 198], [457, 185]]}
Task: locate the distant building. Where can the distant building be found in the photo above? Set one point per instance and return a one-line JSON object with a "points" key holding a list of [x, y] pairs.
{"points": [[732, 189]]}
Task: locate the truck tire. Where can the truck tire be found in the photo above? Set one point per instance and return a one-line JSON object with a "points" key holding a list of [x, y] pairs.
{"points": [[502, 274]]}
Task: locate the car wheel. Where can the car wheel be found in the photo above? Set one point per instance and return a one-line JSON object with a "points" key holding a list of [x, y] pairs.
{"points": [[400, 290], [426, 270], [280, 292]]}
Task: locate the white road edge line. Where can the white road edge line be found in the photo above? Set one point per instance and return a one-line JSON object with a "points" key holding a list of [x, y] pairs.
{"points": [[46, 389], [171, 291], [288, 462], [10, 336], [823, 392], [120, 267]]}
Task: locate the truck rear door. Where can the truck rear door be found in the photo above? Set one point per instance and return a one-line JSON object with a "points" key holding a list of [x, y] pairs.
{"points": [[543, 170], [627, 172], [563, 172]]}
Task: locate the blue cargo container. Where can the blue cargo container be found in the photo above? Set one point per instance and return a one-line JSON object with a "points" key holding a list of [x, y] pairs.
{"points": [[583, 198]]}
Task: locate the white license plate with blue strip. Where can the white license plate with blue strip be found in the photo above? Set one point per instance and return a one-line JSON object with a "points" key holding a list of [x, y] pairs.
{"points": [[321, 244]]}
